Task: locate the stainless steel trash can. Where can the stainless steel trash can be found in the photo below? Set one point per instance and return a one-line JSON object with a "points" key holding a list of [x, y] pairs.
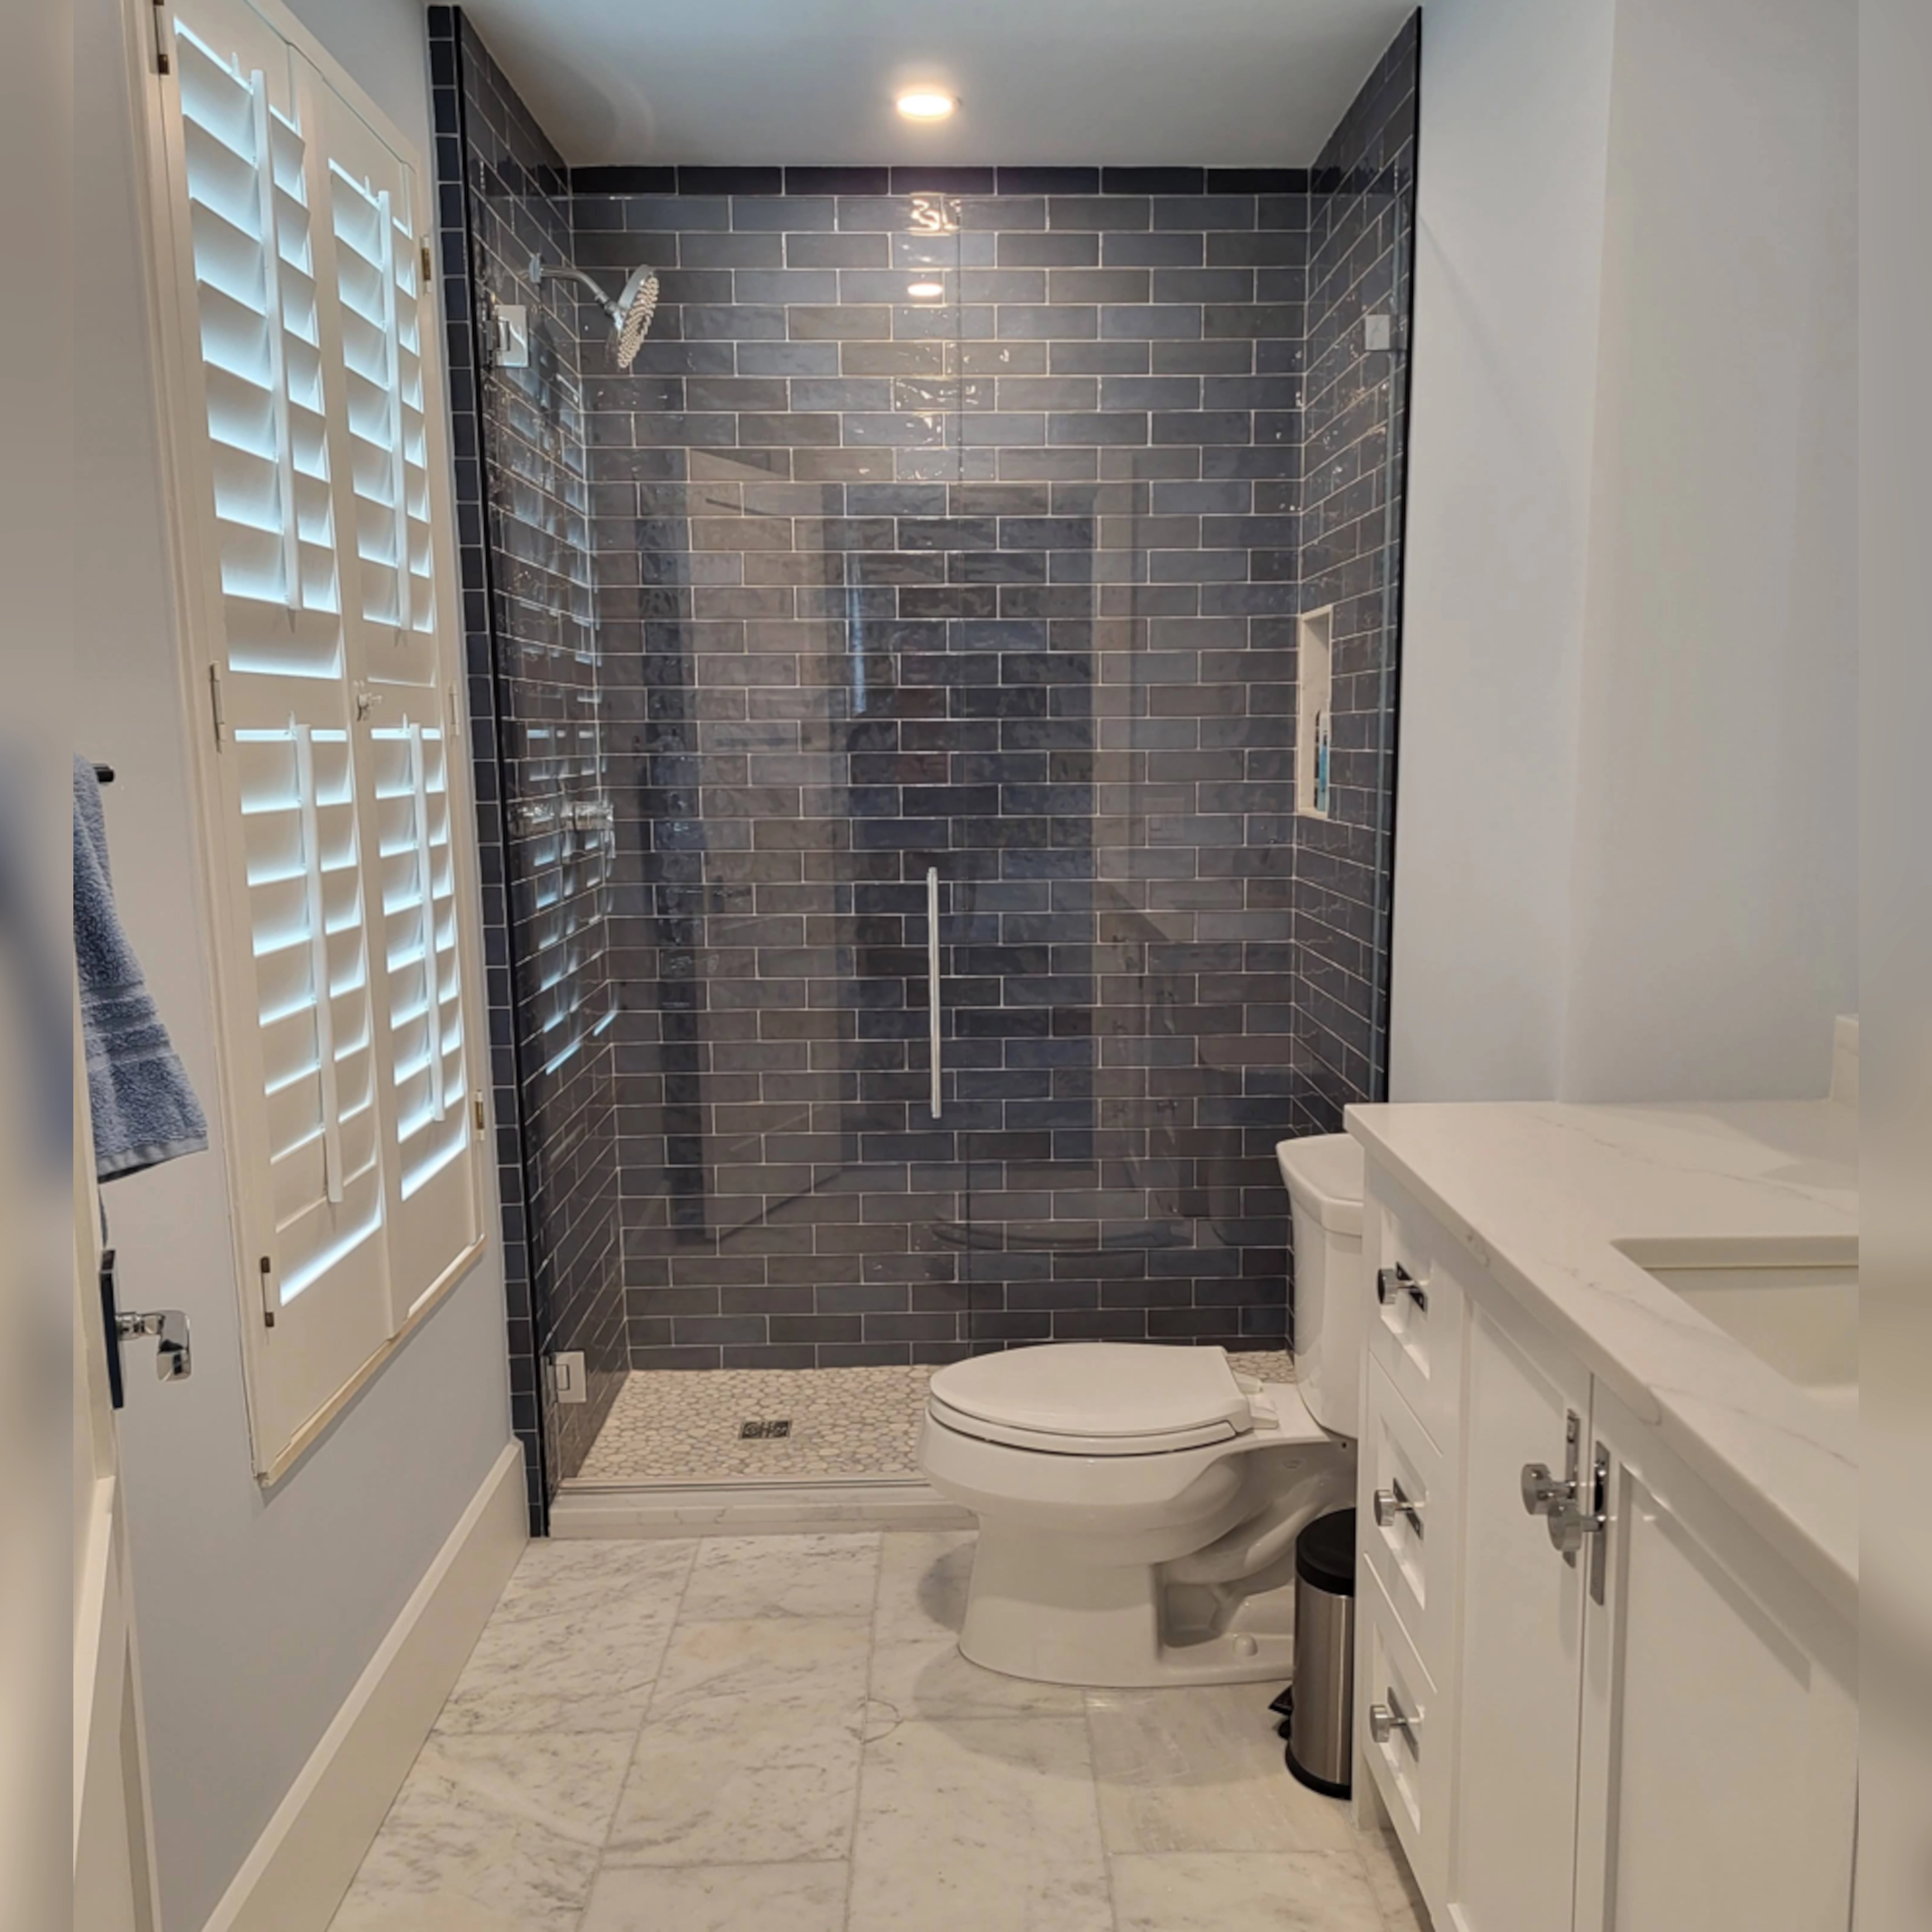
{"points": [[1324, 1691]]}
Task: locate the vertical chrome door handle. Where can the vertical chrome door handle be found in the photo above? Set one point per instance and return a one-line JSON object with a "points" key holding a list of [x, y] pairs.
{"points": [[932, 977]]}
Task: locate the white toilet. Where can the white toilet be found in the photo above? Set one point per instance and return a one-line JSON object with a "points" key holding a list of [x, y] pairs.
{"points": [[1139, 1504]]}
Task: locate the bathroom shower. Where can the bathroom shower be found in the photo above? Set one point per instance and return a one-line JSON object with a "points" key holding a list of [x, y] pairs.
{"points": [[955, 954]]}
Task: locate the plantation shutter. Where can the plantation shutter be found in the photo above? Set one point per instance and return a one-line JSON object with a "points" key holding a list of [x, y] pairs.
{"points": [[334, 855], [375, 278]]}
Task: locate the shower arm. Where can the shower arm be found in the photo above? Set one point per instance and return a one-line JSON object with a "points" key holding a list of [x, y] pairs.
{"points": [[541, 271]]}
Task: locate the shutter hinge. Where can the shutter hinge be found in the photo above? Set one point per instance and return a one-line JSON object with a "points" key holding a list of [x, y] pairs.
{"points": [[214, 704], [476, 1111], [267, 1292], [163, 60], [428, 264]]}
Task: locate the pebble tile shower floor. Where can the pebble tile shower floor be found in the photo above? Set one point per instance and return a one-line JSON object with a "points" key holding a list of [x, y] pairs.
{"points": [[672, 1426], [724, 1734]]}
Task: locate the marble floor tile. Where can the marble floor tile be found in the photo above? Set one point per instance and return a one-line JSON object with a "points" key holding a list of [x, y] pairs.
{"points": [[508, 1824], [979, 1825], [1242, 1892], [822, 1576], [575, 1642], [1201, 1770], [928, 1678], [767, 1660], [922, 1580], [1392, 1883], [719, 1898], [738, 1780]]}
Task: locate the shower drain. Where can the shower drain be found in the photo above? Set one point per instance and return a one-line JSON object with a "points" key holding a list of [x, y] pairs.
{"points": [[764, 1432]]}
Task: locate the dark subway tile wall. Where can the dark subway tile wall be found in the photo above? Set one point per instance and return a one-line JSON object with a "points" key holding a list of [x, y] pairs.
{"points": [[958, 520], [952, 530], [522, 498], [1362, 217]]}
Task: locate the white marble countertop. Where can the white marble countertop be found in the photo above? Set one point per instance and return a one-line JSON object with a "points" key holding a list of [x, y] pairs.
{"points": [[1537, 1193]]}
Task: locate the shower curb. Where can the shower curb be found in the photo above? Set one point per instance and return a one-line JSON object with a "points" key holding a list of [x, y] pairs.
{"points": [[638, 1510]]}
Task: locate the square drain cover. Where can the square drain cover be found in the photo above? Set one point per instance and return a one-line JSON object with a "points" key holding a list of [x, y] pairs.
{"points": [[764, 1432]]}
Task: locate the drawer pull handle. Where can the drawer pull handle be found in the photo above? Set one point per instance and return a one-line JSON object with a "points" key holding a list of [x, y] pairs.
{"points": [[1385, 1719], [1392, 1283], [1395, 1502]]}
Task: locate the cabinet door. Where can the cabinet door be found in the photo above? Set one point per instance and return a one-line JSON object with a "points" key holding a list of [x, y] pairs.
{"points": [[1720, 1747], [1513, 1844]]}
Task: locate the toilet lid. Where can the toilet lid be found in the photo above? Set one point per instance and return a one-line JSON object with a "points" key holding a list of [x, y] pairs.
{"points": [[1098, 1391]]}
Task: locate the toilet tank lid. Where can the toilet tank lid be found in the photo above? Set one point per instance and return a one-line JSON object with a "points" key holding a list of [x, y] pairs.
{"points": [[1324, 1173], [1096, 1389]]}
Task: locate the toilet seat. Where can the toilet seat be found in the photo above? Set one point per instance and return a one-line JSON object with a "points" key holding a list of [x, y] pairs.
{"points": [[1110, 1398]]}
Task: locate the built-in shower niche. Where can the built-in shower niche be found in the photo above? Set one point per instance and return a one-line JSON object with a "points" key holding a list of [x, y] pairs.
{"points": [[1314, 712]]}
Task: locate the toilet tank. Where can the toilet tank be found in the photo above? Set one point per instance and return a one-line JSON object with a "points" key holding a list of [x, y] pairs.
{"points": [[1323, 1174]]}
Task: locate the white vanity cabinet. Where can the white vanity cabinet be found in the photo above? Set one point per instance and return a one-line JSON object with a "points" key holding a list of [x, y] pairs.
{"points": [[1613, 1707]]}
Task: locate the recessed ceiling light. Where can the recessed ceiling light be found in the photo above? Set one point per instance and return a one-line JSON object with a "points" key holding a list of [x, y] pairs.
{"points": [[924, 291], [926, 103]]}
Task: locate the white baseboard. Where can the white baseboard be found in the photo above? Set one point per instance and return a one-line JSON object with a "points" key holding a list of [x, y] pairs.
{"points": [[635, 1510], [303, 1862]]}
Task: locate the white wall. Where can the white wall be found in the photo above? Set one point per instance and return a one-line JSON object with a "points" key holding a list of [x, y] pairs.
{"points": [[1716, 825], [256, 1613], [1510, 169], [1626, 812]]}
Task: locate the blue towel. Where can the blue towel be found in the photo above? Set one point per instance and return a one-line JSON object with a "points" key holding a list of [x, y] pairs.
{"points": [[144, 1110]]}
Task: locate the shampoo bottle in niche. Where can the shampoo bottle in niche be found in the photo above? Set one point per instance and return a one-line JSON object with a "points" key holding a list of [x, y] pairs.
{"points": [[1321, 761]]}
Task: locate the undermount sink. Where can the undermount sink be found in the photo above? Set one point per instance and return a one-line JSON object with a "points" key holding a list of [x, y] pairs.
{"points": [[1794, 1303]]}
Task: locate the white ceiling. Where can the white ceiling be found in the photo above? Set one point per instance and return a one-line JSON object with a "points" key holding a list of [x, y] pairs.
{"points": [[1221, 82]]}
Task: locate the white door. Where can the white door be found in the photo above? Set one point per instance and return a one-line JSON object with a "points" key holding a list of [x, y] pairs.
{"points": [[113, 1864], [1513, 1828], [1720, 1760]]}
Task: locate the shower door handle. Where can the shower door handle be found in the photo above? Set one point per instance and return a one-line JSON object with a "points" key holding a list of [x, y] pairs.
{"points": [[932, 975]]}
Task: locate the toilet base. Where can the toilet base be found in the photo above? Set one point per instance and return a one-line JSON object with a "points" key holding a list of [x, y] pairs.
{"points": [[1032, 1613]]}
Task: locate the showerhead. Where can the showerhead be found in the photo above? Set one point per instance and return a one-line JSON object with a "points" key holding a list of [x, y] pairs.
{"points": [[630, 314]]}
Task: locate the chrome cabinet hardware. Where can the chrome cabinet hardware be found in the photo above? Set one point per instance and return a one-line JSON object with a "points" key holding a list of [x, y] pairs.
{"points": [[1570, 1515], [1386, 1719], [1395, 1502], [174, 1355], [1392, 1283]]}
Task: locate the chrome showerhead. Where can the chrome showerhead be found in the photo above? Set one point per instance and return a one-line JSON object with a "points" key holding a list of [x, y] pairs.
{"points": [[630, 314]]}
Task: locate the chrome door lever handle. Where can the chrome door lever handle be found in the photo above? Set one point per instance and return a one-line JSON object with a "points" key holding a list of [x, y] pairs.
{"points": [[174, 1351]]}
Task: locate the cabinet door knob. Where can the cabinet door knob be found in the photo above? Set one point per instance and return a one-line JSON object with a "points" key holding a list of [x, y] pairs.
{"points": [[1394, 1502], [1392, 1283], [1386, 1719]]}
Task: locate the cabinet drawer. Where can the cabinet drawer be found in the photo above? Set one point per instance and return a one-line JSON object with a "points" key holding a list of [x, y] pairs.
{"points": [[1414, 1552], [1410, 1765], [1415, 1327]]}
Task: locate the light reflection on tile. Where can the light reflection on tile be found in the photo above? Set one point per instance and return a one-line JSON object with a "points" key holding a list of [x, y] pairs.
{"points": [[1201, 1770], [1243, 1891]]}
